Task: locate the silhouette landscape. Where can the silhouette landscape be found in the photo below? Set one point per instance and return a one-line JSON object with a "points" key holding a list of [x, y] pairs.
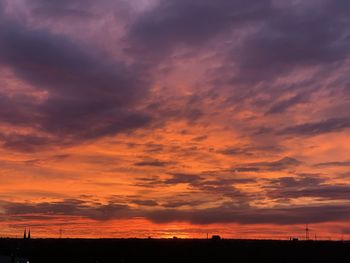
{"points": [[172, 250]]}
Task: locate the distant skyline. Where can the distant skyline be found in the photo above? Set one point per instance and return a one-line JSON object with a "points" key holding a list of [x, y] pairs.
{"points": [[162, 118]]}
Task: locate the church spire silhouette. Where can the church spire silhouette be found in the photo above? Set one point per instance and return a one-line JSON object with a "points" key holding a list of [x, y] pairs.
{"points": [[25, 233], [28, 237]]}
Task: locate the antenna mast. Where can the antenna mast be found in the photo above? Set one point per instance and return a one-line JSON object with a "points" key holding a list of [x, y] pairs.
{"points": [[307, 232]]}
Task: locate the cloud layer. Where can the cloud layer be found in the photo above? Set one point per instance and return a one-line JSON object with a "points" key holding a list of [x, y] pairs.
{"points": [[204, 112]]}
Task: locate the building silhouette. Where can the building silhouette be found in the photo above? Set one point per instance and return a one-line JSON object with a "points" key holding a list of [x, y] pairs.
{"points": [[216, 237], [25, 235]]}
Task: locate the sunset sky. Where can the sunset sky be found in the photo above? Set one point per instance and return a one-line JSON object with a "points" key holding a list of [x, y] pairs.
{"points": [[162, 118]]}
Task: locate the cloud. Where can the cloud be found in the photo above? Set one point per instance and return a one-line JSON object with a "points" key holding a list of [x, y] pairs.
{"points": [[250, 150], [329, 192], [145, 202], [236, 151], [2, 5], [89, 94], [284, 105], [203, 188], [200, 138], [181, 178], [184, 202], [282, 164], [291, 39], [248, 215], [219, 187], [172, 24], [285, 60], [301, 181], [227, 213], [316, 128], [62, 9], [255, 43], [27, 142], [154, 163], [305, 185], [333, 164], [69, 207]]}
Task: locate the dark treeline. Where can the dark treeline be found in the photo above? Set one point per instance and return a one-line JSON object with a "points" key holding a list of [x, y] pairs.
{"points": [[174, 250]]}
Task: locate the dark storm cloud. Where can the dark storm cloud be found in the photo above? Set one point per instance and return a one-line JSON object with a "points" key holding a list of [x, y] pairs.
{"points": [[89, 94], [316, 128]]}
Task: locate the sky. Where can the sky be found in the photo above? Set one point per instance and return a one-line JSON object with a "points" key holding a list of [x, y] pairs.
{"points": [[162, 118]]}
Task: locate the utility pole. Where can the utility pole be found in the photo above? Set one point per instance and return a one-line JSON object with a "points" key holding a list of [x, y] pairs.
{"points": [[307, 232]]}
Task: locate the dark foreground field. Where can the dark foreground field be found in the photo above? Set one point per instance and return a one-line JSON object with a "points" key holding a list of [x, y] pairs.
{"points": [[177, 250]]}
